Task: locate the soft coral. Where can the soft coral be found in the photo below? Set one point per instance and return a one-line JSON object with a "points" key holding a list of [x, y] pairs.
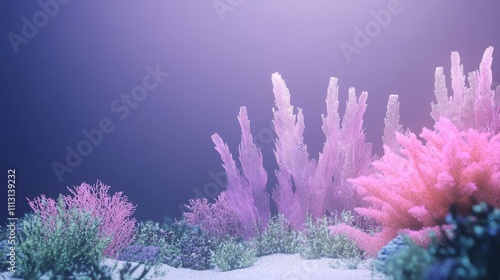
{"points": [[413, 191]]}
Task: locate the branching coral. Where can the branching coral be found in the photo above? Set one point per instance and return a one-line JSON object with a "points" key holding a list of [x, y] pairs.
{"points": [[415, 182], [459, 162], [114, 212], [413, 191], [304, 185], [470, 106], [246, 190]]}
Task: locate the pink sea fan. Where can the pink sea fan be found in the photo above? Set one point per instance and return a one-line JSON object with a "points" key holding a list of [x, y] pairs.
{"points": [[413, 191], [114, 211]]}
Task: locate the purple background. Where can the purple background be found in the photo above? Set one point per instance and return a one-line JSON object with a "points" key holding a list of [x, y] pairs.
{"points": [[64, 79]]}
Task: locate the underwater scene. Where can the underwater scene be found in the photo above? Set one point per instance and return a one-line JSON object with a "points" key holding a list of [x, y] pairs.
{"points": [[252, 140]]}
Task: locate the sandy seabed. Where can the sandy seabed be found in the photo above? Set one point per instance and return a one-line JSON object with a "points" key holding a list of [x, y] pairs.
{"points": [[273, 267]]}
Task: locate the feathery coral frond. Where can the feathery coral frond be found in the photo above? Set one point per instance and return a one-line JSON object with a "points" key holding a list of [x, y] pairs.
{"points": [[246, 190], [392, 125], [469, 107], [295, 168]]}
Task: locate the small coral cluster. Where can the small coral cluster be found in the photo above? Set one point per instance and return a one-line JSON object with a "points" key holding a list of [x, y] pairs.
{"points": [[70, 243], [216, 218], [70, 235], [230, 255], [181, 245], [412, 191], [472, 250], [114, 212], [468, 250], [176, 244]]}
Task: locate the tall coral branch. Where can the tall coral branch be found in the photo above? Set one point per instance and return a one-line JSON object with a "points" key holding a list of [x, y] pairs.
{"points": [[355, 154], [246, 190], [469, 107], [253, 169], [392, 125], [323, 197], [295, 168], [304, 186]]}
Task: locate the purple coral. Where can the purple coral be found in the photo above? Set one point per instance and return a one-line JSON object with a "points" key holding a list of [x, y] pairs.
{"points": [[304, 185], [292, 193], [216, 218], [246, 190]]}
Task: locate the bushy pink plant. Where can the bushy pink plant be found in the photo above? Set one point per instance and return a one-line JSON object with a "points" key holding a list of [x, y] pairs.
{"points": [[216, 218], [413, 191], [114, 212]]}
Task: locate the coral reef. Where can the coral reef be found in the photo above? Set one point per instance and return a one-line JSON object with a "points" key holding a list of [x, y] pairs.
{"points": [[304, 185], [411, 189]]}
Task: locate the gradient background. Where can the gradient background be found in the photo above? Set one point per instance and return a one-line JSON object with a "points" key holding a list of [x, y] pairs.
{"points": [[91, 52]]}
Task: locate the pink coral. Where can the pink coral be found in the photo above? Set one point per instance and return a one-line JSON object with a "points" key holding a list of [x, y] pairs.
{"points": [[472, 106], [114, 212], [413, 191], [46, 208]]}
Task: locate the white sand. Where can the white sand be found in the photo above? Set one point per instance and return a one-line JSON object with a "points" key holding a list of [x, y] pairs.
{"points": [[273, 267]]}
